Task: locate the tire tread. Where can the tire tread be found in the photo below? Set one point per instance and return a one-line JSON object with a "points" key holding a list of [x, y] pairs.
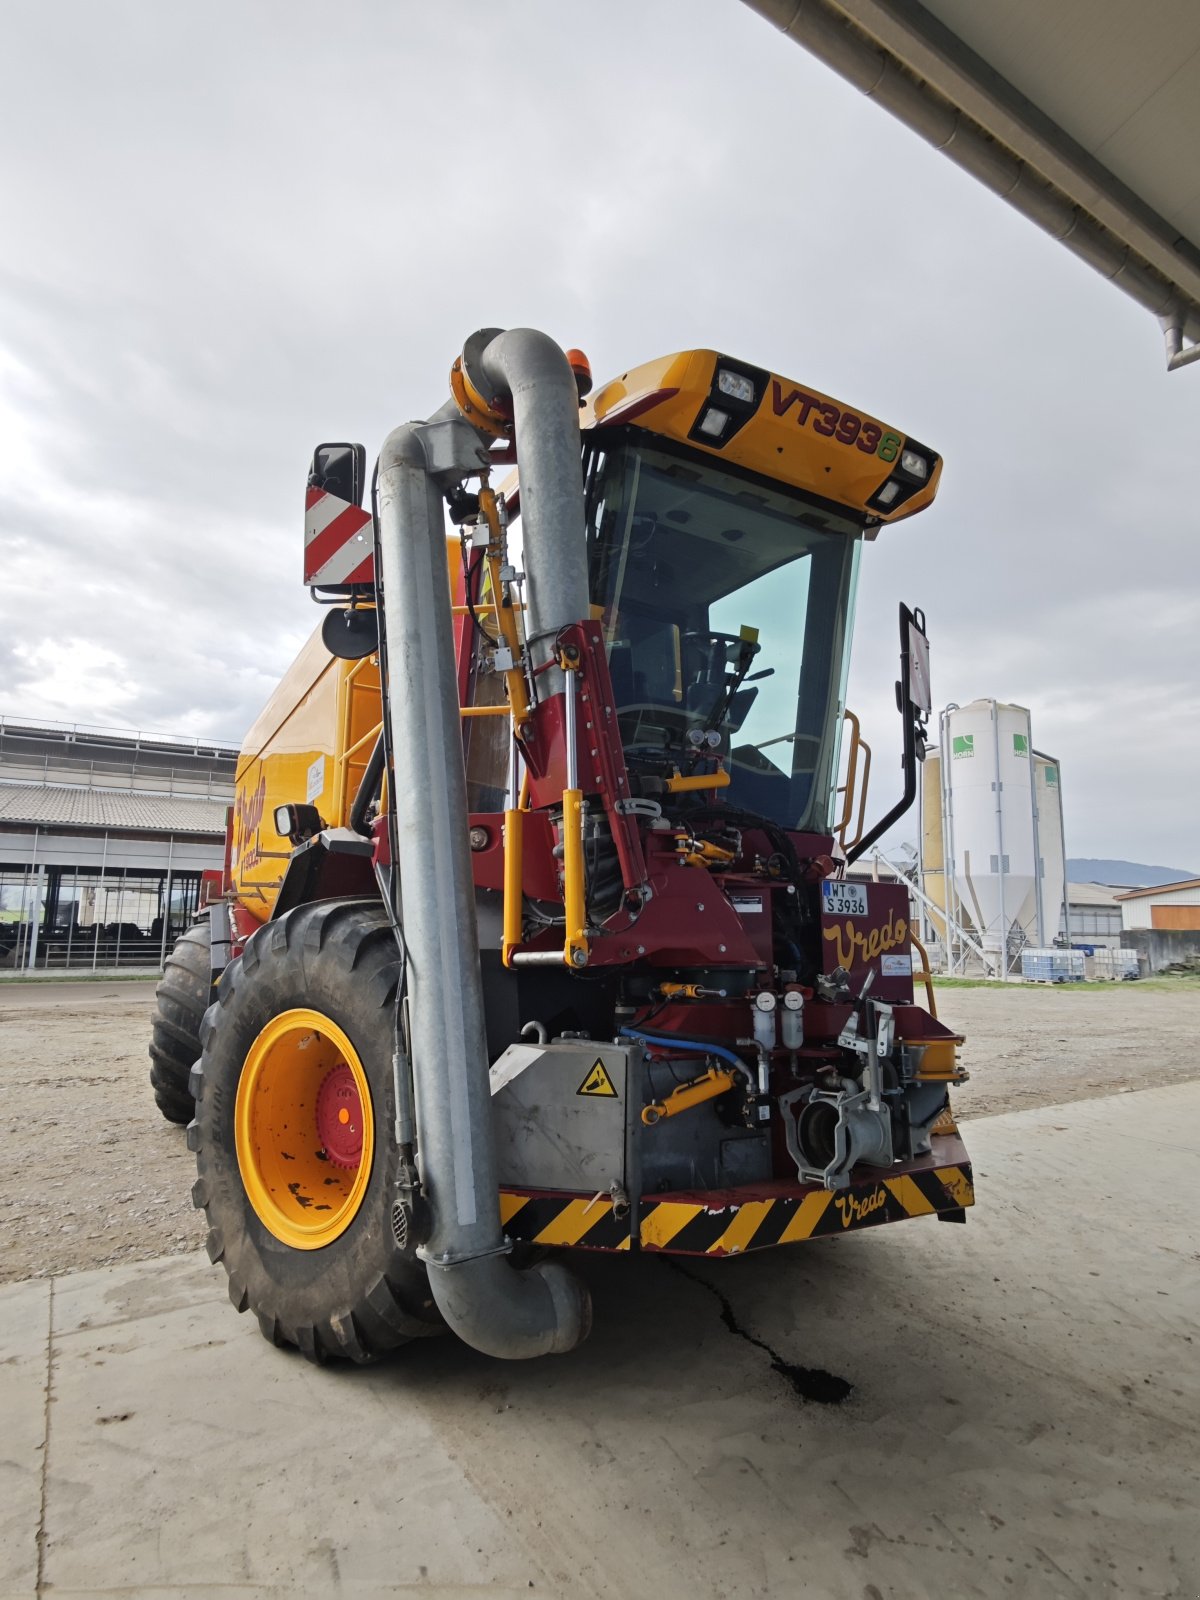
{"points": [[349, 942], [180, 1002]]}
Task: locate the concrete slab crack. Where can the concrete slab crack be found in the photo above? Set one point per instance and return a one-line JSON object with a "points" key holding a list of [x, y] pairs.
{"points": [[41, 1527], [809, 1383]]}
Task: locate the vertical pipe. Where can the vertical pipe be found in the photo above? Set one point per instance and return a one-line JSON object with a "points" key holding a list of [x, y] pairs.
{"points": [[532, 369], [514, 842], [437, 886], [1062, 834], [954, 947], [488, 1304], [166, 914], [35, 921], [74, 917], [1038, 875], [999, 787], [28, 882], [99, 895]]}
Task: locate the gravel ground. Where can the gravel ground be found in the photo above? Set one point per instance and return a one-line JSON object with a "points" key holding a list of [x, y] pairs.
{"points": [[93, 1174]]}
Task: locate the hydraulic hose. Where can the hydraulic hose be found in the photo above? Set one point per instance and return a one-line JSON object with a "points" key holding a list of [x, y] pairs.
{"points": [[367, 790], [673, 1042]]}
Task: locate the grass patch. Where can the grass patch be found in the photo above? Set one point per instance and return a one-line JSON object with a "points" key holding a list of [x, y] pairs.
{"points": [[1165, 983]]}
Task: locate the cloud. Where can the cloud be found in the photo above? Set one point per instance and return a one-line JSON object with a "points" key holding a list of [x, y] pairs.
{"points": [[241, 230]]}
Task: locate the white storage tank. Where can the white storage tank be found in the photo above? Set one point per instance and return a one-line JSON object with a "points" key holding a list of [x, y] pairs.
{"points": [[1047, 783], [990, 842]]}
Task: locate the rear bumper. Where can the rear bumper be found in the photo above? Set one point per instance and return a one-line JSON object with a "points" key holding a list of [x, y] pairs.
{"points": [[732, 1221]]}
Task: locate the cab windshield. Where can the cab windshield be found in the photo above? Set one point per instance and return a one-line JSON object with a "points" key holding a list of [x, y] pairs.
{"points": [[727, 607]]}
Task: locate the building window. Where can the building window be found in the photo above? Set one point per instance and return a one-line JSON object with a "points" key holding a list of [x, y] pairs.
{"points": [[79, 918]]}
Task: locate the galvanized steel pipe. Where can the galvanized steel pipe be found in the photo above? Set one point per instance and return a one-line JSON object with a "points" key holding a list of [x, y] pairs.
{"points": [[531, 370], [488, 1304]]}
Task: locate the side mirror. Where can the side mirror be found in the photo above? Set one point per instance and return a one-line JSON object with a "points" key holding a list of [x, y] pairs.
{"points": [[920, 691], [298, 822], [914, 701], [350, 634], [340, 469]]}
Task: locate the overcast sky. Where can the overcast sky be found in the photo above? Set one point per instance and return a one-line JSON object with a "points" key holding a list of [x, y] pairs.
{"points": [[230, 231]]}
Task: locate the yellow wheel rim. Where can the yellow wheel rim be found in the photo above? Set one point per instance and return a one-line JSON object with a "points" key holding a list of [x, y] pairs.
{"points": [[304, 1129]]}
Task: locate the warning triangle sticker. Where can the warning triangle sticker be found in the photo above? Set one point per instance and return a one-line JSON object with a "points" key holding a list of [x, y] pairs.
{"points": [[598, 1082]]}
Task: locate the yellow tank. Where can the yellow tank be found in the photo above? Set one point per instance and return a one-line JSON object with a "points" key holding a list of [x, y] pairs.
{"points": [[309, 746]]}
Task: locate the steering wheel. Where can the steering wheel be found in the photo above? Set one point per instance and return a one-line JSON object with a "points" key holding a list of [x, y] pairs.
{"points": [[723, 638], [703, 640]]}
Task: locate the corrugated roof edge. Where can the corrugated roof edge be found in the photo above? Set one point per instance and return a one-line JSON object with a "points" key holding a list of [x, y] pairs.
{"points": [[1161, 888]]}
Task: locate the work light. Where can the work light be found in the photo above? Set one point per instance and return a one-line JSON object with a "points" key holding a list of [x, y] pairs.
{"points": [[713, 422], [736, 385]]}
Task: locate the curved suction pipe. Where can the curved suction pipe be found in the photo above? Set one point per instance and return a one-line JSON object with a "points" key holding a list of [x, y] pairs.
{"points": [[491, 1306], [484, 1300], [529, 369]]}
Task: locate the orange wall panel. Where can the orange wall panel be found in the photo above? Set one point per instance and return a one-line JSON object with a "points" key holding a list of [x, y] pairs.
{"points": [[1181, 918]]}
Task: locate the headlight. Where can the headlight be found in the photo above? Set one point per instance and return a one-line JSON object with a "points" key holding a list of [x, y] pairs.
{"points": [[887, 494], [713, 422], [736, 385], [914, 463]]}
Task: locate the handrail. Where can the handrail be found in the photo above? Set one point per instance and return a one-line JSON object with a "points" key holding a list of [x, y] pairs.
{"points": [[367, 738], [926, 973], [847, 790], [344, 751], [862, 798]]}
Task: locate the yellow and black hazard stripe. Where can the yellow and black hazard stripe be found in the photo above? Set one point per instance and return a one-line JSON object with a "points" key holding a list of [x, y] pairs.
{"points": [[551, 1219], [691, 1228], [699, 1227]]}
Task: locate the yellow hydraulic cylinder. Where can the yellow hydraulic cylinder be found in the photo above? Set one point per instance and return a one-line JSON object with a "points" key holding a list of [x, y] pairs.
{"points": [[506, 621], [514, 839], [706, 1087], [575, 946]]}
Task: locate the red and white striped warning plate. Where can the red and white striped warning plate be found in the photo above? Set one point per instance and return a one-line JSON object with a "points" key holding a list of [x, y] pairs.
{"points": [[337, 542]]}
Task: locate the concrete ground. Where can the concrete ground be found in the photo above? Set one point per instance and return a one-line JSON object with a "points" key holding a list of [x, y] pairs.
{"points": [[1022, 1420]]}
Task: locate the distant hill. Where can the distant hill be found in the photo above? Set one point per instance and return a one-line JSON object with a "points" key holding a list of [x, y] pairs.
{"points": [[1131, 874]]}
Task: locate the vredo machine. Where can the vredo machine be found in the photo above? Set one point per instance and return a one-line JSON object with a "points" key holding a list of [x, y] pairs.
{"points": [[534, 929]]}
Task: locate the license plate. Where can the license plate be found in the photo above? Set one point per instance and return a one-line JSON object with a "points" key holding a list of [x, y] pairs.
{"points": [[840, 899]]}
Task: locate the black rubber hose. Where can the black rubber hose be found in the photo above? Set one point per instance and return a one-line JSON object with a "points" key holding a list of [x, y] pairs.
{"points": [[368, 789]]}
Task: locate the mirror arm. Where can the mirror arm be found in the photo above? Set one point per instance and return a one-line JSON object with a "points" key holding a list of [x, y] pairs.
{"points": [[914, 729]]}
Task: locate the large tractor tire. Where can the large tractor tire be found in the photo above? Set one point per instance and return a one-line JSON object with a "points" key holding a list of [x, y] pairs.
{"points": [[180, 1002], [295, 1153]]}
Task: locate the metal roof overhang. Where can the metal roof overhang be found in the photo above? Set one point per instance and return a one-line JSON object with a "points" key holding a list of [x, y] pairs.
{"points": [[1084, 115], [26, 805]]}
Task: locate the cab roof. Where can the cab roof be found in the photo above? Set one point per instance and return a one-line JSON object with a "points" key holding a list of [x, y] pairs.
{"points": [[784, 431]]}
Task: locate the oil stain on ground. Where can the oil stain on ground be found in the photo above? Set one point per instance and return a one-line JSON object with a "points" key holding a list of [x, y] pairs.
{"points": [[807, 1383]]}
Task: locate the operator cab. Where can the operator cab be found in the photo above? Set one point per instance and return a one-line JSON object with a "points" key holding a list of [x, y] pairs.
{"points": [[726, 602]]}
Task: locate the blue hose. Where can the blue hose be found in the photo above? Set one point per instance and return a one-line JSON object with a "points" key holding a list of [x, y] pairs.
{"points": [[672, 1042]]}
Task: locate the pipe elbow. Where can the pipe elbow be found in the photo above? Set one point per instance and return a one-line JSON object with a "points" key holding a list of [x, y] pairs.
{"points": [[402, 448], [519, 357], [545, 1310]]}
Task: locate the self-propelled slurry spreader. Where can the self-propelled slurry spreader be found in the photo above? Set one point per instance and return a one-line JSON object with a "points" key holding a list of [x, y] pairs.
{"points": [[535, 928]]}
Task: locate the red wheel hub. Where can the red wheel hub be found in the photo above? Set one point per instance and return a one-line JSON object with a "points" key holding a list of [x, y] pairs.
{"points": [[339, 1118]]}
